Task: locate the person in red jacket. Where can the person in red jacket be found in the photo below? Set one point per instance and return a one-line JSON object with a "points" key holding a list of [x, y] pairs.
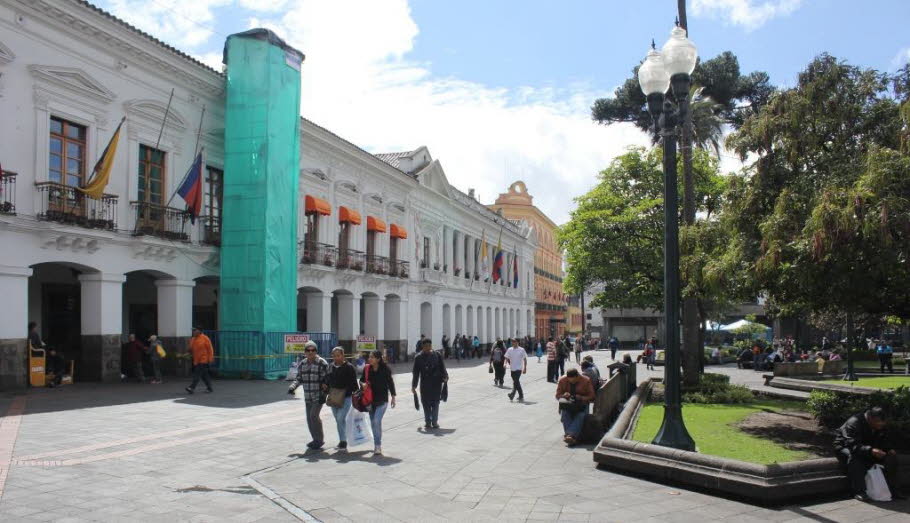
{"points": [[203, 356]]}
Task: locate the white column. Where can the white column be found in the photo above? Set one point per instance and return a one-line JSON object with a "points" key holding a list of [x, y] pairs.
{"points": [[472, 243], [373, 317], [102, 303], [348, 317], [447, 247], [318, 312], [175, 307], [436, 334], [14, 289], [459, 249]]}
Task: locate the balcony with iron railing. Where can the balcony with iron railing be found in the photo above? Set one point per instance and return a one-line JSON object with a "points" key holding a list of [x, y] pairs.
{"points": [[152, 219], [7, 192], [211, 230], [65, 204], [399, 269], [377, 264], [350, 259], [318, 254]]}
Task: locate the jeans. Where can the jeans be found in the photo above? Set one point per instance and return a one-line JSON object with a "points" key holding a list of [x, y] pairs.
{"points": [[313, 423], [340, 414], [201, 371], [156, 369], [516, 384], [572, 422], [376, 414], [431, 411]]}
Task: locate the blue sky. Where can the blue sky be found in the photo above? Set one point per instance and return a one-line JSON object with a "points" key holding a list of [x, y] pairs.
{"points": [[500, 90]]}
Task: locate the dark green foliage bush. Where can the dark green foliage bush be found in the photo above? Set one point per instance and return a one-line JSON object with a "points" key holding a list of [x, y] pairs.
{"points": [[831, 409], [716, 388]]}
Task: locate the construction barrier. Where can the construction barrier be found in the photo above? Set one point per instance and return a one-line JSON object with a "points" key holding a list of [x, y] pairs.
{"points": [[260, 355]]}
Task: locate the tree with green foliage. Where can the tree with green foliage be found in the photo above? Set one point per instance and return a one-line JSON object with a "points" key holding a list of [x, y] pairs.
{"points": [[614, 239], [821, 222]]}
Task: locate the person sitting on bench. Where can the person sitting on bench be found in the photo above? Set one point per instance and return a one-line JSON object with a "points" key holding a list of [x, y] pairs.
{"points": [[860, 443]]}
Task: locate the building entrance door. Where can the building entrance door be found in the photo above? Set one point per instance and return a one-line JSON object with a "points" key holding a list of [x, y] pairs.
{"points": [[61, 325]]}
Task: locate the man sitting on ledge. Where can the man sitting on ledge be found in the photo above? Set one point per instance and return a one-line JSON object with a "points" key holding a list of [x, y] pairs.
{"points": [[860, 443]]}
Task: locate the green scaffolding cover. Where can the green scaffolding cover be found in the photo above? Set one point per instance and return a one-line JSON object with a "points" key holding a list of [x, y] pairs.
{"points": [[261, 162]]}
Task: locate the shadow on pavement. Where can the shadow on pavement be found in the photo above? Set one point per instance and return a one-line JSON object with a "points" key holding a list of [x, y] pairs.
{"points": [[435, 432], [365, 456]]}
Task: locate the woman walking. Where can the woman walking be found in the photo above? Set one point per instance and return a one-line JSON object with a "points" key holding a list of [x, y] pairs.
{"points": [[497, 362], [378, 377], [342, 382]]}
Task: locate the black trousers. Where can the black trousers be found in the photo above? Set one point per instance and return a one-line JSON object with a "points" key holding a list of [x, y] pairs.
{"points": [[201, 371], [885, 360], [516, 384], [562, 366], [499, 370], [857, 466], [552, 371]]}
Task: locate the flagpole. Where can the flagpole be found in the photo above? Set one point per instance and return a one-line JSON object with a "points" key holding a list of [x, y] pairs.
{"points": [[164, 121], [148, 164], [498, 244], [199, 132]]}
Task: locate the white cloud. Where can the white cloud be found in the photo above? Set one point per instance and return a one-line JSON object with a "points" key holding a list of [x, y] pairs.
{"points": [[358, 82], [183, 23], [901, 59], [750, 14]]}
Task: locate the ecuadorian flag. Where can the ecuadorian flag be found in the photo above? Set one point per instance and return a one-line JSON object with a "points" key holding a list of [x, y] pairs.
{"points": [[497, 262], [191, 190]]}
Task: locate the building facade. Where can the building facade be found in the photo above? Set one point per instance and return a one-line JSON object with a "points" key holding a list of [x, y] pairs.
{"points": [[387, 247], [550, 307]]}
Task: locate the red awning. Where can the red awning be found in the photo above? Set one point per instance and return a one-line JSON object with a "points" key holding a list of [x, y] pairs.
{"points": [[399, 232], [375, 224], [346, 215], [314, 205]]}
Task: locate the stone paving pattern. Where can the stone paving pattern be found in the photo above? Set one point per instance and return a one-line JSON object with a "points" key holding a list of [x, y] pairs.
{"points": [[132, 452]]}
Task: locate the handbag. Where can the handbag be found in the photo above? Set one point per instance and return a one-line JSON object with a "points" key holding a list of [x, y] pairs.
{"points": [[336, 397], [573, 406], [491, 369], [161, 353], [363, 398], [876, 485]]}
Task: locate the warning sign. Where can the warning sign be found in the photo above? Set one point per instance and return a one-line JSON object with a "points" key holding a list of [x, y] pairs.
{"points": [[295, 343], [366, 343]]}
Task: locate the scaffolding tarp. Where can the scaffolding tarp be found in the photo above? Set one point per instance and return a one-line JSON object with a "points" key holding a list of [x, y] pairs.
{"points": [[261, 162]]}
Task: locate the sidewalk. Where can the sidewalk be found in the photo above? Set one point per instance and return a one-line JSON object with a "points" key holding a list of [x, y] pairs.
{"points": [[151, 453]]}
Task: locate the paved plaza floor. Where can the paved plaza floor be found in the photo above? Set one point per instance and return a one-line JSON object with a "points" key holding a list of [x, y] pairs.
{"points": [[131, 452]]}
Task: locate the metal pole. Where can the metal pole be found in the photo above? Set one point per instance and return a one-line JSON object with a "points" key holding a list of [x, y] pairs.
{"points": [[850, 375], [672, 431]]}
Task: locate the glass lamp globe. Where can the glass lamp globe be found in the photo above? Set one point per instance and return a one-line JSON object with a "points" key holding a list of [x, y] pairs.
{"points": [[652, 75], [679, 53]]}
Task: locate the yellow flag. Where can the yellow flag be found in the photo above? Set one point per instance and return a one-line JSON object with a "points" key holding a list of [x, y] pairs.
{"points": [[102, 170]]}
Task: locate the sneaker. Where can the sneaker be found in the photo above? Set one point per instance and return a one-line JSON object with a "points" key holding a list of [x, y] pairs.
{"points": [[377, 451], [435, 425], [862, 497], [189, 390], [511, 396], [427, 425], [342, 446]]}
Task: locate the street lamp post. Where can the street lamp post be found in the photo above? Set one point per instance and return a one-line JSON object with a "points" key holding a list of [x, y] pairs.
{"points": [[657, 74]]}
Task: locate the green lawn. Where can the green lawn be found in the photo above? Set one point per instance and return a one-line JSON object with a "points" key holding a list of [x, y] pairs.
{"points": [[889, 382], [711, 426]]}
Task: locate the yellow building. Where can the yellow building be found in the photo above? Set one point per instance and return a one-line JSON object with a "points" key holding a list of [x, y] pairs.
{"points": [[550, 307], [574, 323]]}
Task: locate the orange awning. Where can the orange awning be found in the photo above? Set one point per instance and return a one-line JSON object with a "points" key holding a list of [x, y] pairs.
{"points": [[316, 206], [375, 224], [399, 232], [346, 215]]}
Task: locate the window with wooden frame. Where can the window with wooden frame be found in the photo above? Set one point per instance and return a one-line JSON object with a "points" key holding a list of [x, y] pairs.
{"points": [[344, 234], [312, 229], [393, 248], [214, 190], [151, 187], [371, 243], [67, 153]]}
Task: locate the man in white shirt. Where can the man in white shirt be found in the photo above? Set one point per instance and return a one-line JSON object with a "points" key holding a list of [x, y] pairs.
{"points": [[518, 365]]}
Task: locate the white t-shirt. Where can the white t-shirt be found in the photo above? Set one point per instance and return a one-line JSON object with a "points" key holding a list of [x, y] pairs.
{"points": [[516, 357]]}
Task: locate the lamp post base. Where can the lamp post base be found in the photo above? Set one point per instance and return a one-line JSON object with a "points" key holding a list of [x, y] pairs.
{"points": [[673, 432], [850, 376]]}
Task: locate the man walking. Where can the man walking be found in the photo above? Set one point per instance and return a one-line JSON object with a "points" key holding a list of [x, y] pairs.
{"points": [[518, 365], [203, 356], [614, 346], [430, 372], [562, 354], [311, 373]]}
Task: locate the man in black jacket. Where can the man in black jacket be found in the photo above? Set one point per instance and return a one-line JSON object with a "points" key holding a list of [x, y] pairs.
{"points": [[860, 443], [430, 372]]}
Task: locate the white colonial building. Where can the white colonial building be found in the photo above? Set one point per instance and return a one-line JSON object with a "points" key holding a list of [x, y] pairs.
{"points": [[388, 248]]}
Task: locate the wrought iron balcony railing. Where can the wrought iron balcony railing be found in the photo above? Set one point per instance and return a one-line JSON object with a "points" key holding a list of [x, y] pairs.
{"points": [[211, 230], [152, 219], [350, 259], [399, 269], [7, 192], [318, 254], [377, 264], [65, 204]]}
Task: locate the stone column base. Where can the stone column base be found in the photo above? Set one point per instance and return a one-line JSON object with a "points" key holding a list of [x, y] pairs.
{"points": [[100, 358], [13, 364]]}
